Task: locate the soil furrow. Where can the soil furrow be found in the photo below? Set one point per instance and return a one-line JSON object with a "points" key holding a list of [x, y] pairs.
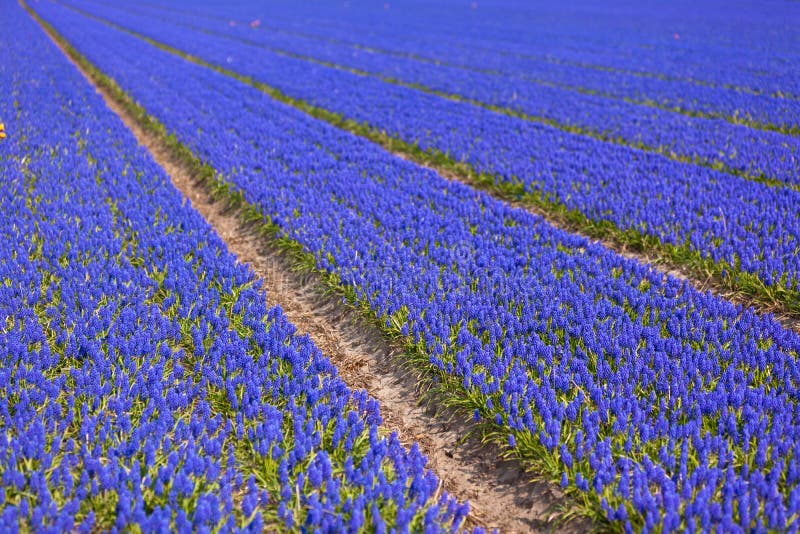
{"points": [[502, 495]]}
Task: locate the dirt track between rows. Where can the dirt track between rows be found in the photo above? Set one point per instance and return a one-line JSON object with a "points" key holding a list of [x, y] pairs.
{"points": [[501, 494]]}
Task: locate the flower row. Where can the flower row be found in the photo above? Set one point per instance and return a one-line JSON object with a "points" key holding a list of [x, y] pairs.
{"points": [[699, 45], [711, 141], [668, 408], [144, 382], [749, 226]]}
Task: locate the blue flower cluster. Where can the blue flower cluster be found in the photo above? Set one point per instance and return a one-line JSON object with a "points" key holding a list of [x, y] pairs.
{"points": [[144, 383], [547, 55], [666, 407], [713, 141], [750, 226], [751, 53]]}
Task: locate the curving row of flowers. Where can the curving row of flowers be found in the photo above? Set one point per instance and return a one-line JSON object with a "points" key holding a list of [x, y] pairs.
{"points": [[145, 384], [739, 224], [664, 407], [753, 84], [713, 141], [634, 44]]}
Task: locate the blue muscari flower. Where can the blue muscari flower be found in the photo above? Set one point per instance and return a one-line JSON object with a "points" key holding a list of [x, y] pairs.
{"points": [[601, 325], [581, 483]]}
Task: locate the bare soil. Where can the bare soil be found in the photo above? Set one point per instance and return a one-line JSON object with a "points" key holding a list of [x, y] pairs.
{"points": [[501, 494]]}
